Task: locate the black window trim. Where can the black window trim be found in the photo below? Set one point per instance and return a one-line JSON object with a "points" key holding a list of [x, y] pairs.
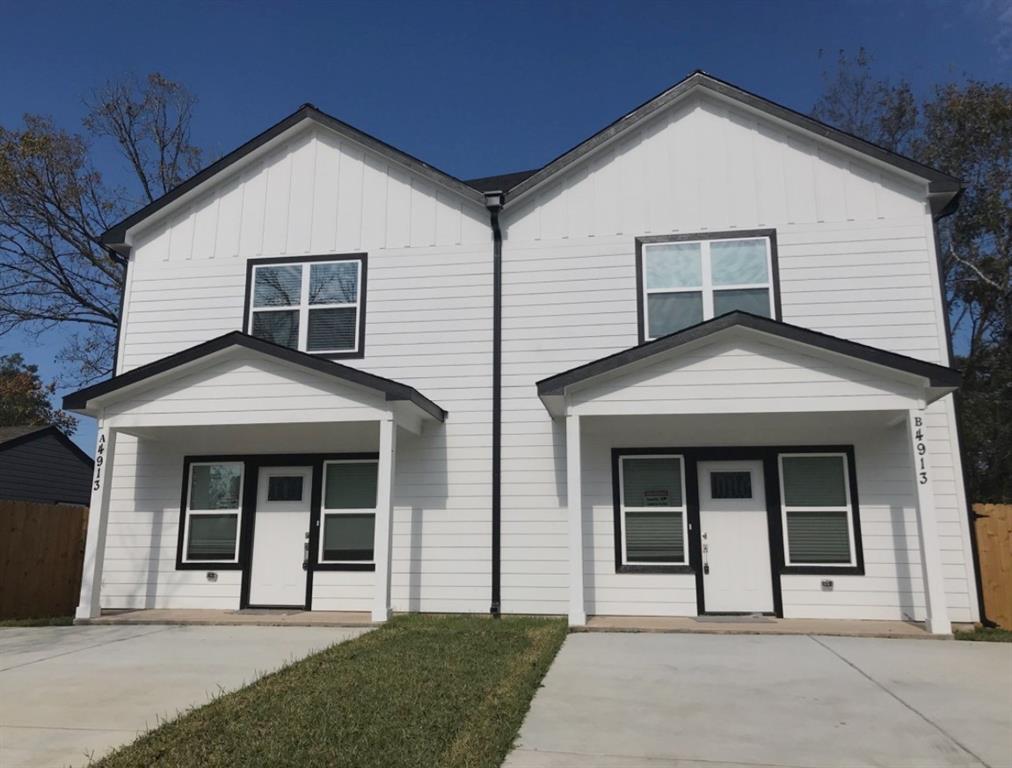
{"points": [[769, 456], [363, 260], [733, 234], [646, 567], [324, 512]]}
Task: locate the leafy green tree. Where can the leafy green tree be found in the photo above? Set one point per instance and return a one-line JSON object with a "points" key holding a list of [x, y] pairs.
{"points": [[25, 399], [964, 129], [54, 204]]}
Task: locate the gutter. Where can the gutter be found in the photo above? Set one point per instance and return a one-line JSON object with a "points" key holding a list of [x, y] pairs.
{"points": [[494, 203]]}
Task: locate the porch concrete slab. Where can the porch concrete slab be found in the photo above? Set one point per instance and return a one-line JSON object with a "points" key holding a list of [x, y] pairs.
{"points": [[765, 625], [70, 694], [253, 617], [653, 699]]}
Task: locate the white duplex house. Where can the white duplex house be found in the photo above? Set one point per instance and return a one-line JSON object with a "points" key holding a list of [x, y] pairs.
{"points": [[697, 364]]}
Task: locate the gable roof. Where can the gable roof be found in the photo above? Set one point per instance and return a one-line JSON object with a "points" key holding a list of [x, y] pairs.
{"points": [[11, 437], [937, 375], [115, 236], [942, 185], [393, 390]]}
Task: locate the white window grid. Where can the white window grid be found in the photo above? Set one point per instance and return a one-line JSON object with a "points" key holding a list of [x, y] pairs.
{"points": [[325, 512], [848, 509], [190, 513], [682, 508], [706, 287], [304, 306]]}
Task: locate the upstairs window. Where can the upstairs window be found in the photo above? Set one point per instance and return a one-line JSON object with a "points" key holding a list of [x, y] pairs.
{"points": [[313, 305], [686, 281]]}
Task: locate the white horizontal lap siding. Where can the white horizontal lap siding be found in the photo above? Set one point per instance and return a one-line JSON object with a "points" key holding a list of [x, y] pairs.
{"points": [[856, 260], [428, 323], [139, 570]]}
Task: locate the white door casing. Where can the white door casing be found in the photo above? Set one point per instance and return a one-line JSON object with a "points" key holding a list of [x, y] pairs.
{"points": [[735, 542], [277, 576]]}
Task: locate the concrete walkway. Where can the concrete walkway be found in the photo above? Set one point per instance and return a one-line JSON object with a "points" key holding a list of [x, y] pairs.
{"points": [[705, 701], [70, 693], [760, 625], [251, 617]]}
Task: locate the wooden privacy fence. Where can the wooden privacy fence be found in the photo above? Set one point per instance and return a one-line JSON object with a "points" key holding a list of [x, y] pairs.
{"points": [[994, 546], [41, 555]]}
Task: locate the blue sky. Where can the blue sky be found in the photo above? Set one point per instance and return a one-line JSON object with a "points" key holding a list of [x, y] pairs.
{"points": [[474, 88]]}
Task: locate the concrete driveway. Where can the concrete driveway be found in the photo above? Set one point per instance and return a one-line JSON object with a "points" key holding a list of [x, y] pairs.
{"points": [[704, 701], [70, 693]]}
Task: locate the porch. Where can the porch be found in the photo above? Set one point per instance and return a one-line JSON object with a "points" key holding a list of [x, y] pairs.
{"points": [[745, 466], [242, 475]]}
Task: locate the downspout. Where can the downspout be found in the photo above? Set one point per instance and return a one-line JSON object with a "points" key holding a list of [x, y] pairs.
{"points": [[494, 203]]}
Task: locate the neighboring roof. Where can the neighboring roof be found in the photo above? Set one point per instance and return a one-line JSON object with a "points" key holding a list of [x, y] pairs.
{"points": [[393, 390], [14, 436], [500, 183], [115, 236], [937, 375], [10, 433], [939, 183]]}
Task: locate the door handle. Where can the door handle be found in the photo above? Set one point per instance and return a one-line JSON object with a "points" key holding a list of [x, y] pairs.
{"points": [[305, 553]]}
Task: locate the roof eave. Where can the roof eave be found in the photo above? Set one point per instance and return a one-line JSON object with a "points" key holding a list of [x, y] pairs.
{"points": [[83, 401], [936, 377]]}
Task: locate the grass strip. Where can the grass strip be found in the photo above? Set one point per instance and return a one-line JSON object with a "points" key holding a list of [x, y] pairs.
{"points": [[446, 691]]}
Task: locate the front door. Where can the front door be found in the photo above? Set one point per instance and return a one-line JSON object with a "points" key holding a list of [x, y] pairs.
{"points": [[735, 539], [280, 531]]}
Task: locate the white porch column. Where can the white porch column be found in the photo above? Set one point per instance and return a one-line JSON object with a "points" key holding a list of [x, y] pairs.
{"points": [[384, 513], [927, 527], [574, 495], [89, 606]]}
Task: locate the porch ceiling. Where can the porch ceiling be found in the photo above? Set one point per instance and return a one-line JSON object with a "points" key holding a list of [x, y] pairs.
{"points": [[742, 363]]}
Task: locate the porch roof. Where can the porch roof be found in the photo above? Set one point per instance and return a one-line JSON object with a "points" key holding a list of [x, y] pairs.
{"points": [[936, 380], [85, 399]]}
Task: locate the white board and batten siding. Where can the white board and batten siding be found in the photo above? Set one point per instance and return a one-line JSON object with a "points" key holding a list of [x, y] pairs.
{"points": [[856, 260], [428, 324]]}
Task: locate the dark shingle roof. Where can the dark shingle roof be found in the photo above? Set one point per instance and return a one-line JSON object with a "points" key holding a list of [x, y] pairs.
{"points": [[12, 433], [501, 183]]}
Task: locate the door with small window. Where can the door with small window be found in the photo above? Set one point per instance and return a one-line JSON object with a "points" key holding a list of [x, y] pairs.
{"points": [[737, 575], [281, 538]]}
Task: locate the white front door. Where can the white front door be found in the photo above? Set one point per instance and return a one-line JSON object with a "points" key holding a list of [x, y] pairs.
{"points": [[735, 539], [277, 577]]}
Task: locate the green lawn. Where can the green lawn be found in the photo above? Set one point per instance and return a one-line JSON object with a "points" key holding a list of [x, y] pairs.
{"points": [[419, 691], [54, 621], [986, 634]]}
